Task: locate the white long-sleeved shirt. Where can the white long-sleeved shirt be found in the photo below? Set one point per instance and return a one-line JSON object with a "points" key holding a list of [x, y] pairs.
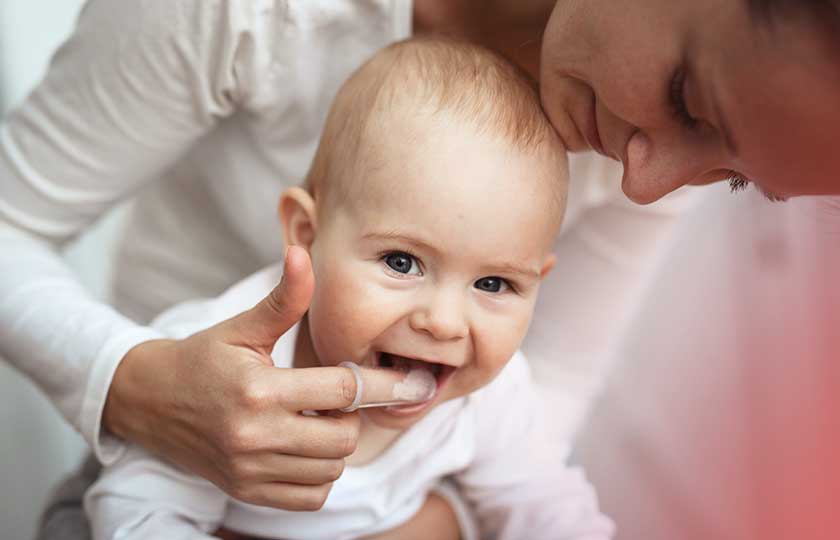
{"points": [[721, 418], [201, 111], [493, 441]]}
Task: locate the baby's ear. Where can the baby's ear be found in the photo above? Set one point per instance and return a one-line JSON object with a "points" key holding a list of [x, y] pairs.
{"points": [[297, 215], [548, 265]]}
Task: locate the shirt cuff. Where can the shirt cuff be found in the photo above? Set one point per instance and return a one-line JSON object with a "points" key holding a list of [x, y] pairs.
{"points": [[106, 446]]}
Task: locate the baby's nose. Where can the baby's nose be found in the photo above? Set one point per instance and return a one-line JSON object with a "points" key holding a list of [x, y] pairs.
{"points": [[443, 318]]}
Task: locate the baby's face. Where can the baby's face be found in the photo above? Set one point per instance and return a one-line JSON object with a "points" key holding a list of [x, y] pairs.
{"points": [[436, 262]]}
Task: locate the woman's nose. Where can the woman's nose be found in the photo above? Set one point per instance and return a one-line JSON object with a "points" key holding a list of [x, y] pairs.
{"points": [[657, 165], [442, 317]]}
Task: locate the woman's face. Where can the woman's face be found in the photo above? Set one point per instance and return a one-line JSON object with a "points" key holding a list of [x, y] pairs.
{"points": [[687, 91]]}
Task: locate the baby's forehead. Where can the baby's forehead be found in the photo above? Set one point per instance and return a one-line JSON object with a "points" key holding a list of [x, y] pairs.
{"points": [[390, 118], [441, 148], [449, 166]]}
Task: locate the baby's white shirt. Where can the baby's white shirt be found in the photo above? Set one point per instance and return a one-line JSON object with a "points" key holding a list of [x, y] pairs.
{"points": [[492, 442]]}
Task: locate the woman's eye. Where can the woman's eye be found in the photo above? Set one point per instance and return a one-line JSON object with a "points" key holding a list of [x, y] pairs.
{"points": [[676, 98], [492, 284], [403, 263]]}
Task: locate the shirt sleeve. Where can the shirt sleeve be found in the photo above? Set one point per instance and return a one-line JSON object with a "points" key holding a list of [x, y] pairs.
{"points": [[606, 252], [134, 87], [519, 482]]}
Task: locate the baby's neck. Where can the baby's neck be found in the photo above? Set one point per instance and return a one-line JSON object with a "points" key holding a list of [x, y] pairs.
{"points": [[373, 439]]}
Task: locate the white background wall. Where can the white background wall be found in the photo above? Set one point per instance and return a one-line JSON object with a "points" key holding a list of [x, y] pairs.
{"points": [[37, 447]]}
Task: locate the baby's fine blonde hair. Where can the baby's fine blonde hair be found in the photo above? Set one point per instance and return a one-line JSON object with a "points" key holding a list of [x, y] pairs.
{"points": [[429, 76]]}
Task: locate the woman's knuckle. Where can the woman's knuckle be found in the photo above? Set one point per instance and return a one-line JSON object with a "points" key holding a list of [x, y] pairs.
{"points": [[237, 438], [241, 469], [348, 441], [313, 499], [335, 469], [254, 396], [347, 388], [322, 493]]}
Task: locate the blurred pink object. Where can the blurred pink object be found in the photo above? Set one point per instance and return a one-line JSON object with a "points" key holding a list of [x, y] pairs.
{"points": [[721, 419]]}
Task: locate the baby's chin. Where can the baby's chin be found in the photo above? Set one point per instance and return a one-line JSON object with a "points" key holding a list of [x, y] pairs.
{"points": [[400, 417]]}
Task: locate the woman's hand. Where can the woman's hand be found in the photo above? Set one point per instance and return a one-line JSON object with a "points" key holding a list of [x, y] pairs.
{"points": [[215, 405]]}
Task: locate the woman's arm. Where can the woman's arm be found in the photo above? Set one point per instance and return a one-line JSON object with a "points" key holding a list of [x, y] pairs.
{"points": [[136, 85], [131, 90]]}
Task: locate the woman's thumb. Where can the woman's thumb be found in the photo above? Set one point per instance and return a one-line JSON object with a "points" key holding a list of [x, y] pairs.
{"points": [[262, 325]]}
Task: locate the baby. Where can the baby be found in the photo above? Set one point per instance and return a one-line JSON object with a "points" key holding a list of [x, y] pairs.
{"points": [[429, 214]]}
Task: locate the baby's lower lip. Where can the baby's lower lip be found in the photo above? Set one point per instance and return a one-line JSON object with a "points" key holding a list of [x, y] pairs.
{"points": [[408, 410]]}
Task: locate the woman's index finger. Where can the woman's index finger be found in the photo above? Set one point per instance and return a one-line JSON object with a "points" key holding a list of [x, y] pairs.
{"points": [[330, 388]]}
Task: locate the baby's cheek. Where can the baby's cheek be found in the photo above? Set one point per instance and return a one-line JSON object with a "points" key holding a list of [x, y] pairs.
{"points": [[494, 353], [334, 320], [350, 312], [503, 336]]}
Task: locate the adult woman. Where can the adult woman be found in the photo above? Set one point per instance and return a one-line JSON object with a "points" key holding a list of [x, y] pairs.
{"points": [[695, 93], [198, 95]]}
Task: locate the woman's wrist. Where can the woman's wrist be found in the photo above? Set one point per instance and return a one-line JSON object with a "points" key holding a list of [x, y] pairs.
{"points": [[141, 374]]}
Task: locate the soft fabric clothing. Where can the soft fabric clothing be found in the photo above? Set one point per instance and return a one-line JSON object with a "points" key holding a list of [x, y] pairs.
{"points": [[720, 418]]}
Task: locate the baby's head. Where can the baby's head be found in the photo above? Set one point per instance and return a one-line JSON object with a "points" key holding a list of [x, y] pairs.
{"points": [[430, 213]]}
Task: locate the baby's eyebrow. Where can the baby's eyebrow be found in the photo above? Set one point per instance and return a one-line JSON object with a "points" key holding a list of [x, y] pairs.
{"points": [[509, 268], [395, 235]]}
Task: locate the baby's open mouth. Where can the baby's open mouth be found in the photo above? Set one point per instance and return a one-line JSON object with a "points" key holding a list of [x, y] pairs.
{"points": [[402, 363], [417, 370]]}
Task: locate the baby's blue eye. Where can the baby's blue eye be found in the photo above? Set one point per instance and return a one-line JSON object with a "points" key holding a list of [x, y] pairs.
{"points": [[491, 284], [403, 263]]}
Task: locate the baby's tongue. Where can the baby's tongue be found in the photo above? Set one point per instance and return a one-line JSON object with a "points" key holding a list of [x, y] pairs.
{"points": [[420, 383]]}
